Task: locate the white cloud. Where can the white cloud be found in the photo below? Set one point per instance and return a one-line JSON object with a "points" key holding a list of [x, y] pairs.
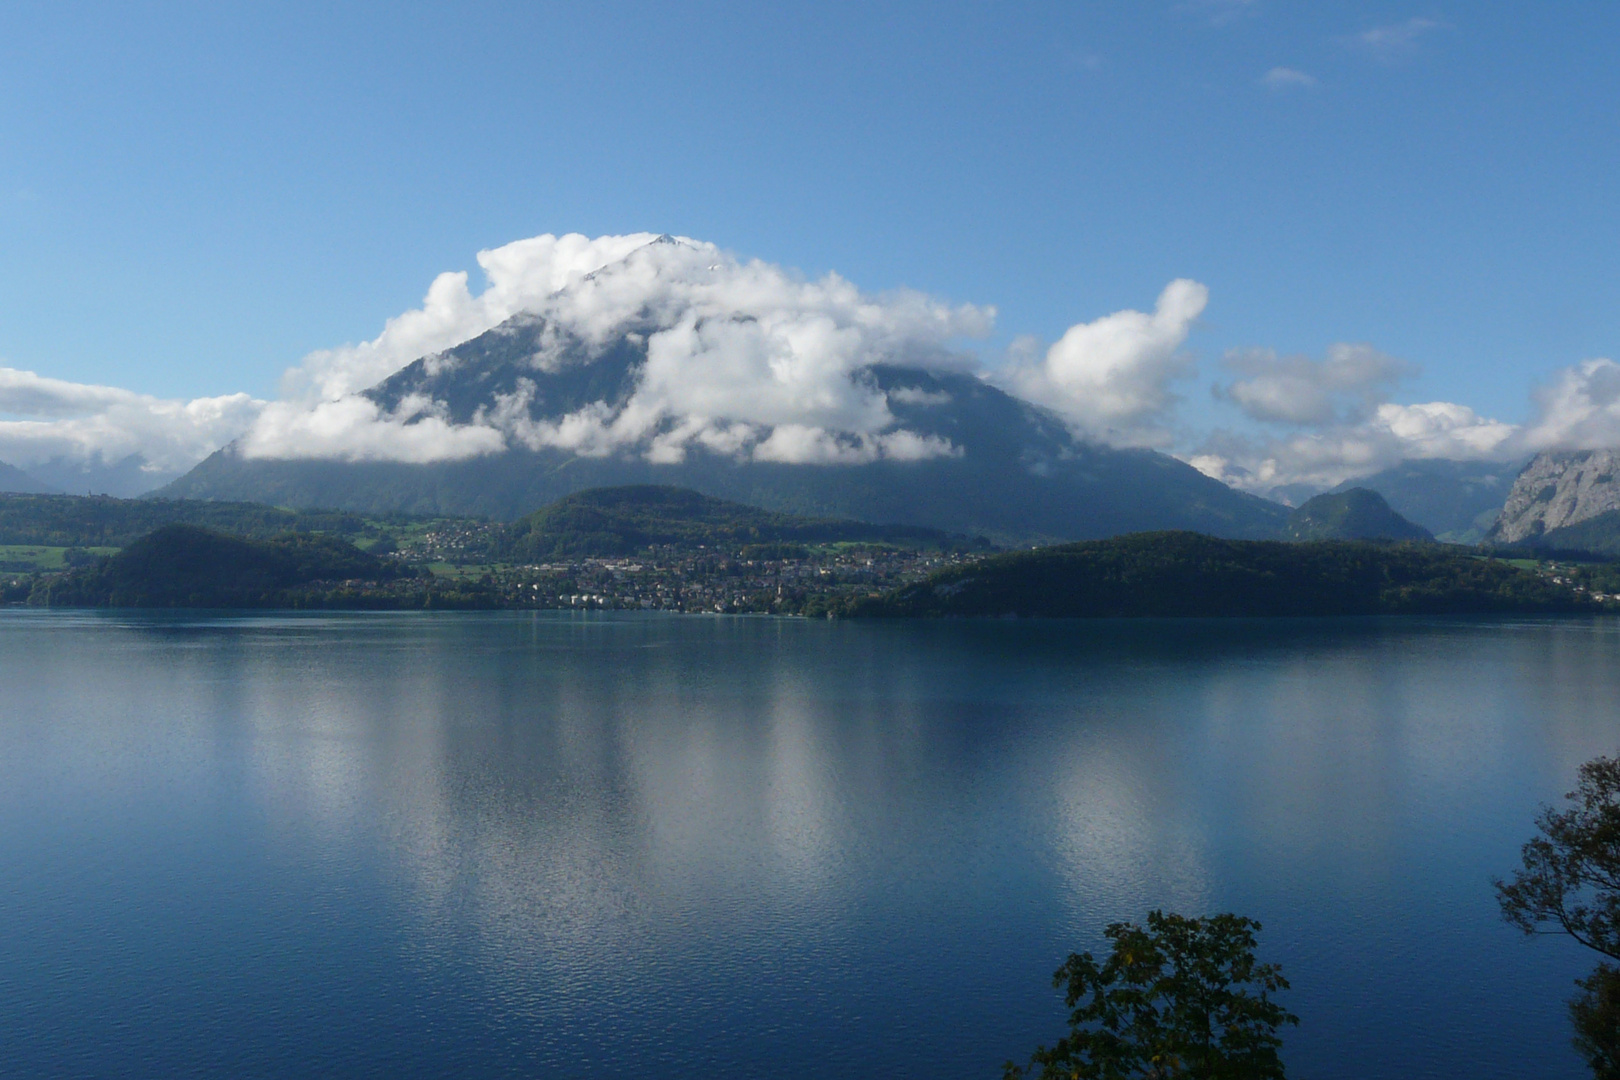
{"points": [[1395, 41], [1298, 390], [1283, 78], [52, 420], [1341, 451], [1111, 378], [355, 429], [749, 360], [1579, 409], [1444, 429], [916, 395], [743, 358], [796, 444], [1347, 426]]}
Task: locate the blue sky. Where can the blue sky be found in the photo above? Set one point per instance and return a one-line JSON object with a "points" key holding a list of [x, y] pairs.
{"points": [[193, 197]]}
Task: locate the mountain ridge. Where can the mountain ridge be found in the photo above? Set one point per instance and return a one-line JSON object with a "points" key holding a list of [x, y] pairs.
{"points": [[14, 481], [1016, 473]]}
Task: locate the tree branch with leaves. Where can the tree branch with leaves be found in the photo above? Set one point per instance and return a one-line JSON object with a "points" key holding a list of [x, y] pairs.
{"points": [[1570, 885], [1176, 998]]}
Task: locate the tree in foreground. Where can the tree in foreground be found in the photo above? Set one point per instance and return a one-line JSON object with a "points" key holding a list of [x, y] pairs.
{"points": [[1176, 998], [1570, 884]]}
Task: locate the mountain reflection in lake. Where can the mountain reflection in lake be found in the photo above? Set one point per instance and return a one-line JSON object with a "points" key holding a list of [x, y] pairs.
{"points": [[573, 845]]}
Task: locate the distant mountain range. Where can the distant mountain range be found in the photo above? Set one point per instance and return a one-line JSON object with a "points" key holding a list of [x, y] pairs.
{"points": [[14, 480], [1457, 501], [125, 478], [1018, 474]]}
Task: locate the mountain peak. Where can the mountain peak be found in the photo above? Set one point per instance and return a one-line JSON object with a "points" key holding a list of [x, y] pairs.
{"points": [[1356, 514], [1013, 471]]}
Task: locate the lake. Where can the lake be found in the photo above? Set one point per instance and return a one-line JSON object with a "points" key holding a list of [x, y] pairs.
{"points": [[573, 845]]}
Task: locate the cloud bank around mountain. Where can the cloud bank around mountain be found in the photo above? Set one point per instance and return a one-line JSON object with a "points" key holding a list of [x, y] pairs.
{"points": [[1319, 422], [743, 358], [751, 360], [45, 421]]}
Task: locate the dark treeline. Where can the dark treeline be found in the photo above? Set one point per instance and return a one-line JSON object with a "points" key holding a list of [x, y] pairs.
{"points": [[1187, 574]]}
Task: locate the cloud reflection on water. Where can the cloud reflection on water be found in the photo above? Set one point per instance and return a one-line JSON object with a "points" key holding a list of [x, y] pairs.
{"points": [[755, 819]]}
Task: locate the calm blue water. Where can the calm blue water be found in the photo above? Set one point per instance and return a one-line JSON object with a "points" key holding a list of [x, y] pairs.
{"points": [[594, 846]]}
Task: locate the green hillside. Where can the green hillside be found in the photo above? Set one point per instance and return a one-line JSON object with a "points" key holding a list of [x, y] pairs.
{"points": [[1599, 535], [1188, 574], [185, 566], [104, 521], [624, 520], [1355, 514]]}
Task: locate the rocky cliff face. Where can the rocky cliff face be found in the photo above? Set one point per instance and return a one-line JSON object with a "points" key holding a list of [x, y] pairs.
{"points": [[1557, 490]]}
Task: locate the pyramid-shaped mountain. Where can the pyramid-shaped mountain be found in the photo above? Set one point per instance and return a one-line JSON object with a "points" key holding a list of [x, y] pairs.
{"points": [[1015, 472]]}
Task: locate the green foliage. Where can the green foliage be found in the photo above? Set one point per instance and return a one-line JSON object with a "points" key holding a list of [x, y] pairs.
{"points": [[185, 566], [1595, 1013], [1599, 535], [77, 556], [625, 520], [1601, 577], [1177, 998], [1356, 514], [1570, 884], [1570, 880], [27, 558], [103, 521], [1190, 575]]}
